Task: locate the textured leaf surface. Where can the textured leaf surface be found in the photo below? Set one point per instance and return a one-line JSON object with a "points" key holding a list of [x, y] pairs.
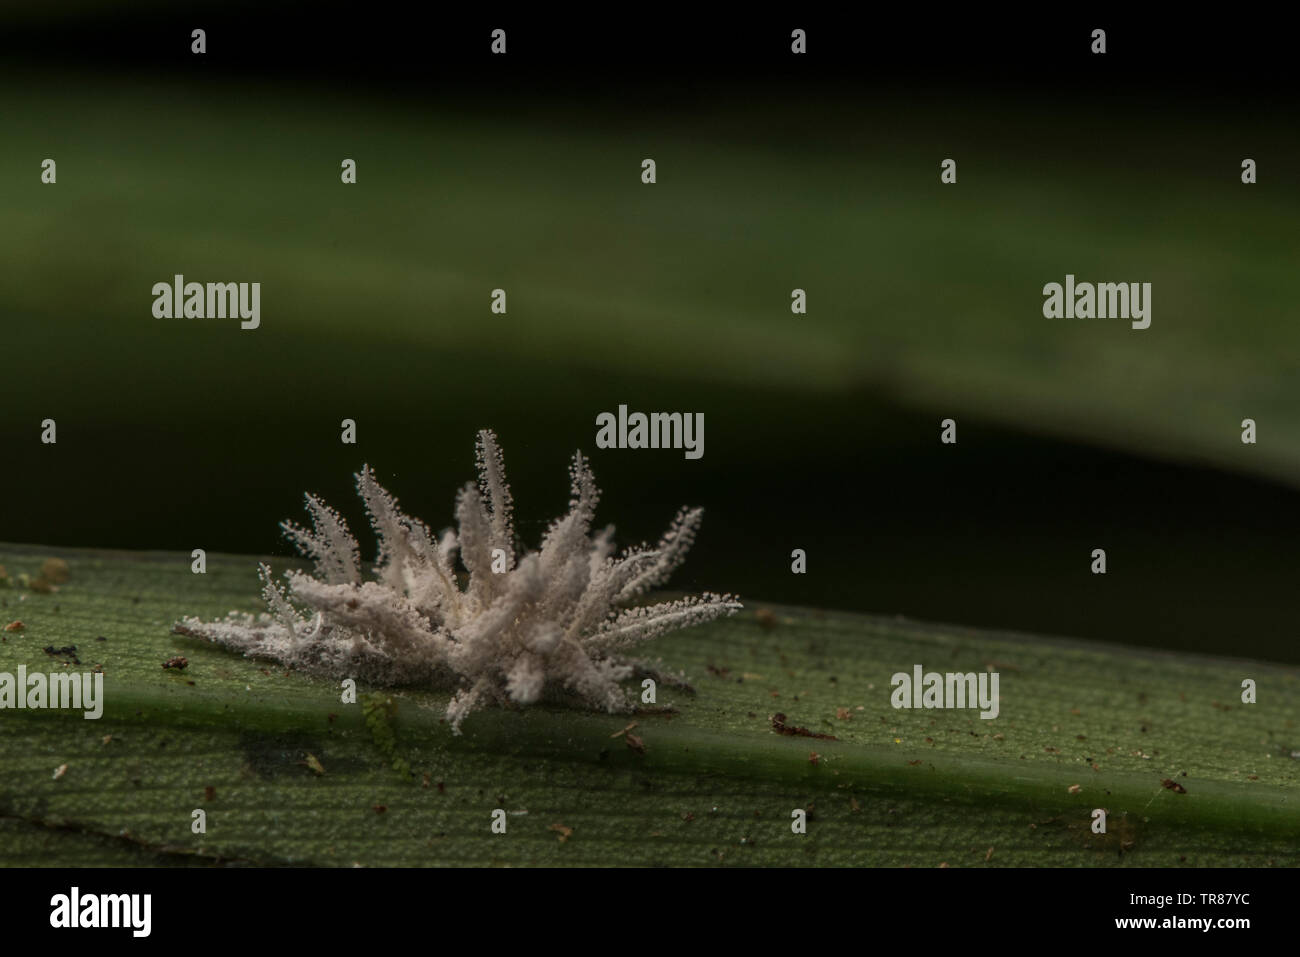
{"points": [[715, 783]]}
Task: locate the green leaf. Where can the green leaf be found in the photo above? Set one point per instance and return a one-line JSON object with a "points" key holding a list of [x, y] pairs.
{"points": [[288, 774], [689, 278]]}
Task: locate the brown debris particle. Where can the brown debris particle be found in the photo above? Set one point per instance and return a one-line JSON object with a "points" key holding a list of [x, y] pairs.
{"points": [[623, 731], [687, 816], [1173, 785], [634, 742], [844, 714], [442, 788], [814, 758], [1074, 789], [564, 832], [780, 727], [179, 663], [943, 864], [425, 781], [209, 793], [55, 570], [988, 856], [854, 806], [60, 771], [379, 808], [765, 618], [15, 626]]}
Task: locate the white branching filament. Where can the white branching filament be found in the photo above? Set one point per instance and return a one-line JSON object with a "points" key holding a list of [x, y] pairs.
{"points": [[521, 623]]}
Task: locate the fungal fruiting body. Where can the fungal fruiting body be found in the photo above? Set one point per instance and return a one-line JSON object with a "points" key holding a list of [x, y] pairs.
{"points": [[520, 623]]}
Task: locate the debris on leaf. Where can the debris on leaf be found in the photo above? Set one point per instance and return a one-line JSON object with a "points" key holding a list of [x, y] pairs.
{"points": [[60, 771], [635, 743], [1173, 785], [564, 832], [15, 626], [780, 727], [313, 762], [55, 571], [179, 663]]}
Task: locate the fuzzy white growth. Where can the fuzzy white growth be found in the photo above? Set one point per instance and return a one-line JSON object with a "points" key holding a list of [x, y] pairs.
{"points": [[552, 618]]}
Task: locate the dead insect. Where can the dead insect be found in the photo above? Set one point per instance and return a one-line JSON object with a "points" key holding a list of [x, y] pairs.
{"points": [[179, 663], [1173, 785]]}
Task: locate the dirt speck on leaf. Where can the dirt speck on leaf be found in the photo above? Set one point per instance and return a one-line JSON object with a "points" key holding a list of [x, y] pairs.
{"points": [[564, 832], [55, 570], [780, 727]]}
